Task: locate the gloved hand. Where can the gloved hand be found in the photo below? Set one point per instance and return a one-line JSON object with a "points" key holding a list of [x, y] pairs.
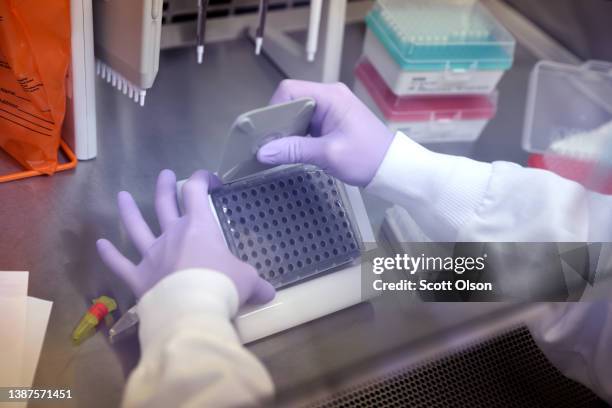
{"points": [[349, 142], [189, 241]]}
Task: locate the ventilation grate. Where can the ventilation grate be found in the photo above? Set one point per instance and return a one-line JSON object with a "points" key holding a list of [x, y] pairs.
{"points": [[289, 225], [506, 371], [178, 11]]}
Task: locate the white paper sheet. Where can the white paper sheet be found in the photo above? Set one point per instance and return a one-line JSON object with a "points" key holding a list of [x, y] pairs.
{"points": [[23, 324], [13, 309], [38, 312]]}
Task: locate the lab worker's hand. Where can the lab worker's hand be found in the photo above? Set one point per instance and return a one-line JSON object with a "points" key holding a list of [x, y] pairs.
{"points": [[349, 142], [192, 240]]}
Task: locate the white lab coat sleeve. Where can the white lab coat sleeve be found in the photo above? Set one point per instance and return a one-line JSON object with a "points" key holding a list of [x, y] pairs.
{"points": [[191, 355], [454, 198], [459, 199]]}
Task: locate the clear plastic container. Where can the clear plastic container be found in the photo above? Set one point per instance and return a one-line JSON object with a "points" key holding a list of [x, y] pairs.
{"points": [[455, 118], [292, 222], [437, 46], [568, 121]]}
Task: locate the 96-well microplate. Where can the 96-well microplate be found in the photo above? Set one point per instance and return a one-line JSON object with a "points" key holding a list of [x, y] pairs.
{"points": [[290, 225]]}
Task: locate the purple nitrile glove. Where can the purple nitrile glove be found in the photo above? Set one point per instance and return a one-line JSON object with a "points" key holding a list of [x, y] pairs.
{"points": [[349, 142], [189, 241]]}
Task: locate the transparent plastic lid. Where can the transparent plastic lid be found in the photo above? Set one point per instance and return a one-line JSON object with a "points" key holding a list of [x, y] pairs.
{"points": [[253, 129], [569, 110], [423, 108], [436, 35]]}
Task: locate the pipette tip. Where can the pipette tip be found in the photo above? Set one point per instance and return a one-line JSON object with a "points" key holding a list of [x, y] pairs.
{"points": [[258, 45], [310, 56], [120, 83], [200, 53]]}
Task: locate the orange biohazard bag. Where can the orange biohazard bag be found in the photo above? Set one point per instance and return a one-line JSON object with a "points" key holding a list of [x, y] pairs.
{"points": [[34, 61]]}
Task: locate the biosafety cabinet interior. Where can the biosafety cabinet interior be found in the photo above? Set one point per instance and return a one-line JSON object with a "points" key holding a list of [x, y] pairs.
{"points": [[352, 341]]}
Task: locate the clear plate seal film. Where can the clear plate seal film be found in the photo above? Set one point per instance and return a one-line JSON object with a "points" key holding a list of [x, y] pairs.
{"points": [[290, 224]]}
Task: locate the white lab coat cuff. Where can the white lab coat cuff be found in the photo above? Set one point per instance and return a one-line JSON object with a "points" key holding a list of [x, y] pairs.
{"points": [[188, 297], [442, 192]]}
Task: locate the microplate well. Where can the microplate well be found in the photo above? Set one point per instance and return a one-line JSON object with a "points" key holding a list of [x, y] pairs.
{"points": [[290, 224]]}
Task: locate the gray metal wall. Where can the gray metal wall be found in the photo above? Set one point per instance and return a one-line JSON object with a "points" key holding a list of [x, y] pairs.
{"points": [[582, 26]]}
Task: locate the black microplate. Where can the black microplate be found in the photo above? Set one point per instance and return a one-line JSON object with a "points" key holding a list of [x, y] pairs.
{"points": [[290, 224]]}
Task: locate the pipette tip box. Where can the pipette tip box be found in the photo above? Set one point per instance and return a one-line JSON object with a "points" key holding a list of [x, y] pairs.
{"points": [[451, 118], [437, 47]]}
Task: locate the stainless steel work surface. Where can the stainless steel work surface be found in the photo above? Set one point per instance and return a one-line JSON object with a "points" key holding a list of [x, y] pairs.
{"points": [[50, 224]]}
